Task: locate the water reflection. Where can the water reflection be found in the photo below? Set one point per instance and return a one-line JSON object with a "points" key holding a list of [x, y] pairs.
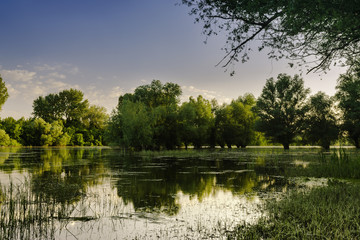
{"points": [[149, 183], [162, 189]]}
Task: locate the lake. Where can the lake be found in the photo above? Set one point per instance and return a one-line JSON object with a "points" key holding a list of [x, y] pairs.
{"points": [[104, 193]]}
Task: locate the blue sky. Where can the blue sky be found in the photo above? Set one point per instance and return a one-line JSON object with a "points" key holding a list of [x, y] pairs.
{"points": [[108, 48]]}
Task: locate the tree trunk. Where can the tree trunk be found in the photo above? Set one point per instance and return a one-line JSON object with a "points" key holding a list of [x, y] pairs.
{"points": [[357, 143], [286, 146]]}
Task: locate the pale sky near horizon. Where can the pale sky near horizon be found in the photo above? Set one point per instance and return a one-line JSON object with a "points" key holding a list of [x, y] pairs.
{"points": [[108, 48]]}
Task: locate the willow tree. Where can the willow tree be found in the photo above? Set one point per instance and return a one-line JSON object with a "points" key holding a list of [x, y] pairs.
{"points": [[327, 31], [281, 108]]}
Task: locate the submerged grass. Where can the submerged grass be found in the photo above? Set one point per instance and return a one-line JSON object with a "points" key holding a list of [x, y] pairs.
{"points": [[24, 216], [331, 212]]}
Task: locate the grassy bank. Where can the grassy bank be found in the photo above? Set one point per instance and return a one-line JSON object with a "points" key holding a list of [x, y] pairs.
{"points": [[331, 212], [340, 163]]}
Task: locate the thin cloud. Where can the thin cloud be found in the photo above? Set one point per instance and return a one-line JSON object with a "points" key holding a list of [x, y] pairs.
{"points": [[191, 91], [17, 75]]}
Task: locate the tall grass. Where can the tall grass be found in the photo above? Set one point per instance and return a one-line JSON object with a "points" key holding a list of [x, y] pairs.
{"points": [[331, 212], [339, 163], [24, 215]]}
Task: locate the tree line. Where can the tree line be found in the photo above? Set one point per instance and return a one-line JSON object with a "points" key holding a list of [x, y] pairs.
{"points": [[60, 119], [152, 117]]}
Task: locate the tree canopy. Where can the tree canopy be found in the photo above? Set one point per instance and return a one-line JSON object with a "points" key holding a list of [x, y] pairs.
{"points": [[348, 95], [68, 105], [147, 119], [320, 31], [235, 122], [321, 123], [281, 108], [83, 124]]}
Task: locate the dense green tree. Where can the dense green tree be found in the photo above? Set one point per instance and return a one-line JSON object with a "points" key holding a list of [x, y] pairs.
{"points": [[162, 103], [95, 117], [281, 108], [94, 121], [196, 121], [4, 138], [113, 132], [12, 127], [4, 95], [73, 105], [235, 122], [38, 132], [323, 30], [68, 105], [187, 116], [243, 120], [30, 135], [136, 125], [223, 125], [78, 139], [165, 126], [156, 94], [157, 105], [320, 124], [348, 95], [48, 108]]}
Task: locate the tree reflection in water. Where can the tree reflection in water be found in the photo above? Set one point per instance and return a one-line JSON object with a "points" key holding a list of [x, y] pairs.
{"points": [[86, 184]]}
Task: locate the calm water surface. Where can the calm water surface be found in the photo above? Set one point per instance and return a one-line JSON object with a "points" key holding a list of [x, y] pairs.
{"points": [[108, 194]]}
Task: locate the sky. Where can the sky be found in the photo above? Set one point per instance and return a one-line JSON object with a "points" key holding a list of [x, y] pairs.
{"points": [[108, 48]]}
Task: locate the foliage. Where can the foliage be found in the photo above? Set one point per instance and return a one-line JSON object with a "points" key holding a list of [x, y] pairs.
{"points": [[67, 105], [235, 122], [281, 108], [73, 111], [156, 94], [78, 139], [196, 121], [48, 107], [147, 118], [166, 129], [4, 95], [323, 30], [348, 95], [320, 123], [113, 132], [136, 125], [95, 117], [5, 139], [13, 127]]}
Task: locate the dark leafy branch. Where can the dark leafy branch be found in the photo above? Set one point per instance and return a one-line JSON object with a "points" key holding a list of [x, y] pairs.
{"points": [[319, 32]]}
